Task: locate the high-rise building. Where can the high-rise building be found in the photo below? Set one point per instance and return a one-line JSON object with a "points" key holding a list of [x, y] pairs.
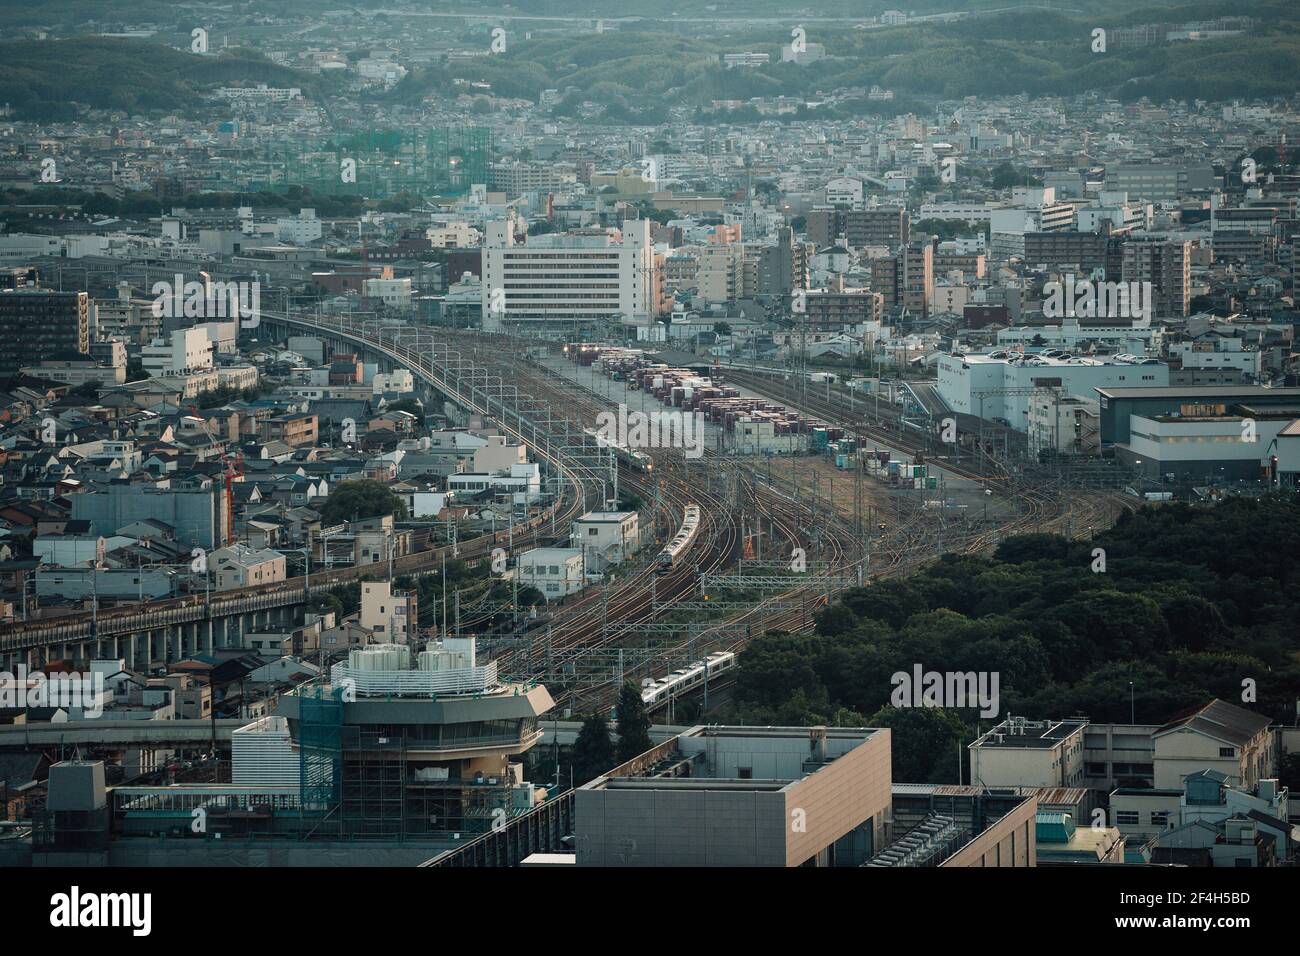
{"points": [[784, 266], [906, 278], [1167, 266], [36, 324]]}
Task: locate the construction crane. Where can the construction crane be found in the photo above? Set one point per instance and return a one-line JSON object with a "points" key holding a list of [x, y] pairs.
{"points": [[229, 470]]}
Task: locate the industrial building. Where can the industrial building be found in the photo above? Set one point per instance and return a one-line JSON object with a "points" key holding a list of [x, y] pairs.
{"points": [[1120, 403], [1001, 384]]}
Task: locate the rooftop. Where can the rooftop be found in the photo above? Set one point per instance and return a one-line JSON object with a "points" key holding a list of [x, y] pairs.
{"points": [[1019, 733], [735, 758]]}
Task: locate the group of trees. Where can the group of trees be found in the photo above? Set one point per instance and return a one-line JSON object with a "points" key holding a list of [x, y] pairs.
{"points": [[1195, 602], [366, 498], [595, 753]]}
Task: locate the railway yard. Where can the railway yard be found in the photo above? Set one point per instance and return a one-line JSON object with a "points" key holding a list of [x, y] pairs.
{"points": [[758, 514]]}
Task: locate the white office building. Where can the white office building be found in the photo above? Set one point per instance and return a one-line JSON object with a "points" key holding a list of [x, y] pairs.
{"points": [[299, 230], [181, 352], [564, 279]]}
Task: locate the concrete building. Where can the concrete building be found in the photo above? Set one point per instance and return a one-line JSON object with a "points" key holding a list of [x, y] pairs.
{"points": [[36, 324], [1001, 384], [607, 537], [741, 796], [555, 572], [1167, 266], [392, 616], [300, 230], [522, 483], [1029, 753], [240, 566], [391, 293], [1064, 424], [1158, 182], [905, 278], [887, 226], [560, 279], [181, 352]]}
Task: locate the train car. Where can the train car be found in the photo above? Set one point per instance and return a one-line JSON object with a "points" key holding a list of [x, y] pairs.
{"points": [[636, 460], [684, 679], [677, 548]]}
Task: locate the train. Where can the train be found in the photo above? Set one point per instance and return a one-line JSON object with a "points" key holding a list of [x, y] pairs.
{"points": [[636, 460], [676, 549], [679, 681]]}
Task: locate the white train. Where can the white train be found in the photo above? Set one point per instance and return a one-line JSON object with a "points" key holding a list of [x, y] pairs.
{"points": [[676, 549], [637, 460], [680, 681]]}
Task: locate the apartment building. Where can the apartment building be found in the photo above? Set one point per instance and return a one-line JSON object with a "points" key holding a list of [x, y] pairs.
{"points": [[905, 279], [1167, 265], [887, 226], [391, 615], [36, 324], [295, 430]]}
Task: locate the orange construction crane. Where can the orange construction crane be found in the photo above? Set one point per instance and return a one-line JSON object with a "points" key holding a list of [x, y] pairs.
{"points": [[229, 470]]}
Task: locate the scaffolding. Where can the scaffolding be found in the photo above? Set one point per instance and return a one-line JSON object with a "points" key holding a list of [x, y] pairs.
{"points": [[320, 751], [380, 164]]}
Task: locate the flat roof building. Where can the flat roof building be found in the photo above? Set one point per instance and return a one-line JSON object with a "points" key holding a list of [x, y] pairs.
{"points": [[741, 796]]}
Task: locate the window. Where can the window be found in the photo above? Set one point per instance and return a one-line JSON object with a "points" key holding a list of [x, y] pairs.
{"points": [[1127, 818], [1160, 818], [745, 773], [1227, 752]]}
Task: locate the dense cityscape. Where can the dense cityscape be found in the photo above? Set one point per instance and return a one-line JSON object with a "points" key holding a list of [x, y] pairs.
{"points": [[542, 436]]}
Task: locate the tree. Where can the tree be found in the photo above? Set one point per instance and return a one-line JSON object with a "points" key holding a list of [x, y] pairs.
{"points": [[593, 751], [1288, 772], [360, 499], [926, 742], [633, 723]]}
